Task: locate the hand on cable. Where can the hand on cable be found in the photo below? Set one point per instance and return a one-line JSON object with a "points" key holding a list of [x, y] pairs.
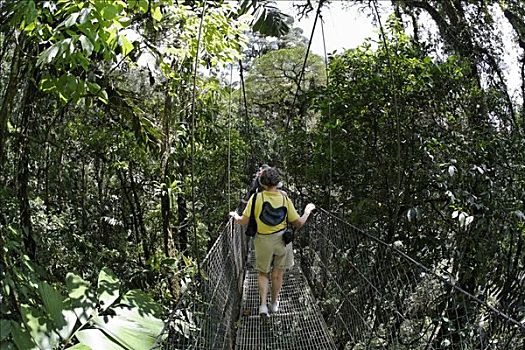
{"points": [[309, 208], [234, 215]]}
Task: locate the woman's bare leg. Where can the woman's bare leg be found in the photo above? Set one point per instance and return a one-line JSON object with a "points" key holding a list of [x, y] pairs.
{"points": [[262, 280], [277, 283]]}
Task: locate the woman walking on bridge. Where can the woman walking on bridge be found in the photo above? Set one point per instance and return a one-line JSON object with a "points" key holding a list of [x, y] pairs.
{"points": [[273, 211]]}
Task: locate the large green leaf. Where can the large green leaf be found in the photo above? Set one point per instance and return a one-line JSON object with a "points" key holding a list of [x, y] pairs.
{"points": [[22, 338], [96, 339], [53, 302], [48, 55], [109, 12], [270, 21], [5, 329], [157, 15], [125, 45], [40, 327], [82, 298], [87, 46], [267, 19], [70, 319], [7, 345], [133, 328], [142, 301], [84, 15], [64, 320], [108, 288], [71, 20], [79, 346]]}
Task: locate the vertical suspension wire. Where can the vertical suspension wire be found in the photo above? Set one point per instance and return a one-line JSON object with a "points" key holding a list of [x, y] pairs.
{"points": [[247, 124], [229, 137], [288, 118], [396, 109], [317, 14], [330, 154], [192, 176]]}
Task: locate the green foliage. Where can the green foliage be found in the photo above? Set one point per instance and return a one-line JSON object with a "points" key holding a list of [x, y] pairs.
{"points": [[77, 36], [101, 135], [267, 19], [410, 161], [271, 88], [129, 321], [273, 77], [222, 39], [392, 141]]}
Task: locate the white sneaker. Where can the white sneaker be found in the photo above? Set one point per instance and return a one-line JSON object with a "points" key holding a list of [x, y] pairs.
{"points": [[263, 310], [274, 307]]}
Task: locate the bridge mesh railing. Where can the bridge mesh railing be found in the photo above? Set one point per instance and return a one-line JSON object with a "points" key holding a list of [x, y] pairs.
{"points": [[373, 296], [205, 316]]}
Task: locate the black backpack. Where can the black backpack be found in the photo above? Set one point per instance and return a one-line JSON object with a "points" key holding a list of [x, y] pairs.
{"points": [[251, 230]]}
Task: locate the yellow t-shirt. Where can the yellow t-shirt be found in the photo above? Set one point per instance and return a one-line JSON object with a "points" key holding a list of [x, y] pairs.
{"points": [[276, 200]]}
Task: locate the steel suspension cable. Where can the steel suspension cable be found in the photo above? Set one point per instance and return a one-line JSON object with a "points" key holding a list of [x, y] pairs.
{"points": [[396, 109], [330, 154], [247, 123], [229, 138], [241, 72], [288, 118], [304, 63], [192, 176]]}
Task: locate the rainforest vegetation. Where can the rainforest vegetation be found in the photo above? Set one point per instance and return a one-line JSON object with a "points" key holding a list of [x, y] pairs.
{"points": [[127, 135]]}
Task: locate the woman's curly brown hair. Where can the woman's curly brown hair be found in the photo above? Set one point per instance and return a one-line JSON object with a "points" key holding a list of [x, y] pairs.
{"points": [[270, 177]]}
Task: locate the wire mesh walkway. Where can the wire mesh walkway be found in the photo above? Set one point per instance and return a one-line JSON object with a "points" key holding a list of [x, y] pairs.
{"points": [[205, 315], [370, 293], [297, 325]]}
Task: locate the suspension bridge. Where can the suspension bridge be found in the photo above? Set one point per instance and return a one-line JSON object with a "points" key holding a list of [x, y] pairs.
{"points": [[347, 290]]}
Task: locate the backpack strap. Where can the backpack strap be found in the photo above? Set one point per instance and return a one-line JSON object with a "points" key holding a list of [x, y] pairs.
{"points": [[286, 198], [252, 210]]}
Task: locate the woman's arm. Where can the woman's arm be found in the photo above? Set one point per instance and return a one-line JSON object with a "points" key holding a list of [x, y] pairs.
{"points": [[302, 220], [240, 219]]}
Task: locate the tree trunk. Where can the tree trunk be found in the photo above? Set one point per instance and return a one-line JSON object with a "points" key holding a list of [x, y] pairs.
{"points": [[452, 25], [514, 15], [140, 216], [523, 92], [415, 26], [127, 196], [182, 212], [28, 106], [82, 194], [169, 242], [7, 102], [183, 107]]}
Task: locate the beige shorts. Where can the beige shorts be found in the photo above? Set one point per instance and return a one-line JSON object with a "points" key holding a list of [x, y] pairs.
{"points": [[270, 250]]}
